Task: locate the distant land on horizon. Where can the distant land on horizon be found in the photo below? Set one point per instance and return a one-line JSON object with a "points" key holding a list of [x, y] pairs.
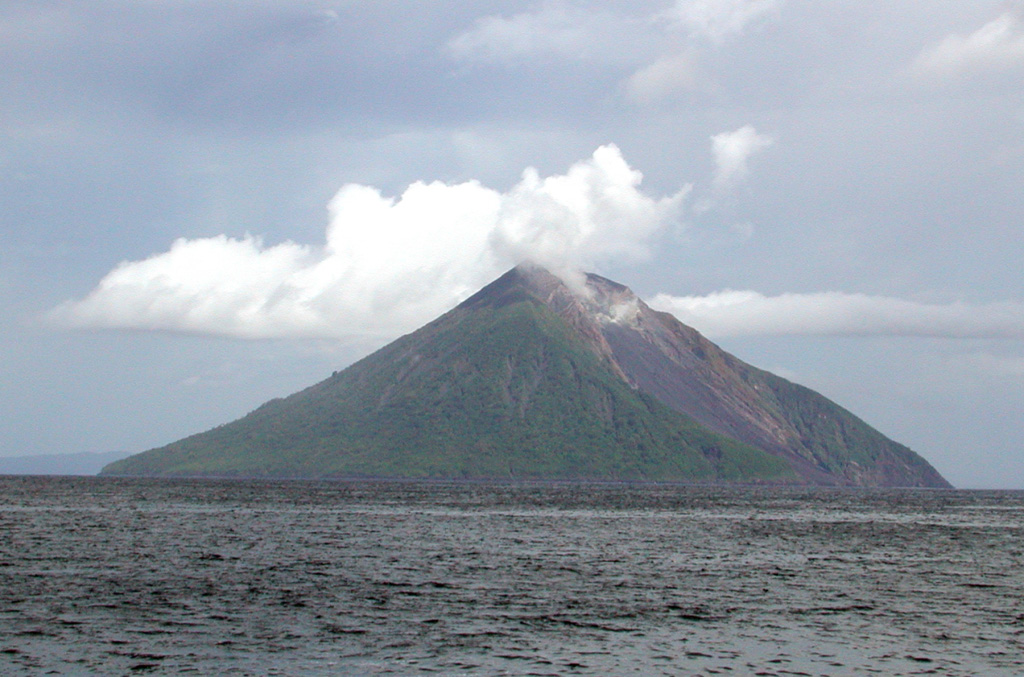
{"points": [[80, 463], [534, 377]]}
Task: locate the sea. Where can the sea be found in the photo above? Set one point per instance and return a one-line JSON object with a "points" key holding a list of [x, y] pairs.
{"points": [[108, 576]]}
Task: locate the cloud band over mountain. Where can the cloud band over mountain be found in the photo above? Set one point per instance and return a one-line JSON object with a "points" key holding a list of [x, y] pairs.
{"points": [[739, 313], [388, 264]]}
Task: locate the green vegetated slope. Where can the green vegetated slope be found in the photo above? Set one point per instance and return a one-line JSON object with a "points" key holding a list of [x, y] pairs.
{"points": [[504, 391], [842, 444]]}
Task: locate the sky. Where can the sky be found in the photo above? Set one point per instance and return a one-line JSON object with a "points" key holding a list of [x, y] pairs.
{"points": [[205, 204]]}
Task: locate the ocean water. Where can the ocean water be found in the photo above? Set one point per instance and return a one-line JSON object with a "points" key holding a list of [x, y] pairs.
{"points": [[113, 576]]}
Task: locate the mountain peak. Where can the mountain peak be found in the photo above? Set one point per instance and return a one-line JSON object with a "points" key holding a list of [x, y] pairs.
{"points": [[575, 293]]}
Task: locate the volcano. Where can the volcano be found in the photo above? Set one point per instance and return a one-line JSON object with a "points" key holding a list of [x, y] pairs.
{"points": [[536, 378]]}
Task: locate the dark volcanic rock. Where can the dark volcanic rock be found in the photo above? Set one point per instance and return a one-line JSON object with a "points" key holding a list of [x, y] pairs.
{"points": [[532, 377]]}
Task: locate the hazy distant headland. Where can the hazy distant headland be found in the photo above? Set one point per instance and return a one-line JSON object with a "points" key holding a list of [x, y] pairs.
{"points": [[83, 463]]}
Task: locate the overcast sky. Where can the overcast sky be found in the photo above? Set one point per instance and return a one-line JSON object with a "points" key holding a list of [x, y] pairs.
{"points": [[205, 204]]}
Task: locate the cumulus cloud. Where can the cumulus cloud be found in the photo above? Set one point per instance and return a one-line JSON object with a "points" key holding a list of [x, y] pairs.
{"points": [[732, 150], [740, 313], [388, 264], [995, 47], [717, 20]]}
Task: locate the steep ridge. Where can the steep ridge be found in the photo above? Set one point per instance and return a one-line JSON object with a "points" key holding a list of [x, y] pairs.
{"points": [[532, 377]]}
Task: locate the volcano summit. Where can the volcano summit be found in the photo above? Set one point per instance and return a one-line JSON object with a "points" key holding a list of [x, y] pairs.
{"points": [[534, 378]]}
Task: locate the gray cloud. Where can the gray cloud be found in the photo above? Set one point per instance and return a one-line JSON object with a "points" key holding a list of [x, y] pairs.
{"points": [[663, 78], [272, 65], [563, 31], [718, 20], [659, 44]]}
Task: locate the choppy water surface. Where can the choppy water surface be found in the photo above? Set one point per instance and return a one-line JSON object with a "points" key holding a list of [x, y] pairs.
{"points": [[109, 576]]}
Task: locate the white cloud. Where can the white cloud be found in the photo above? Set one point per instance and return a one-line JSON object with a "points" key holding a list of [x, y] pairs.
{"points": [[997, 46], [593, 212], [732, 150], [553, 29], [740, 313], [662, 79], [717, 20], [388, 264]]}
